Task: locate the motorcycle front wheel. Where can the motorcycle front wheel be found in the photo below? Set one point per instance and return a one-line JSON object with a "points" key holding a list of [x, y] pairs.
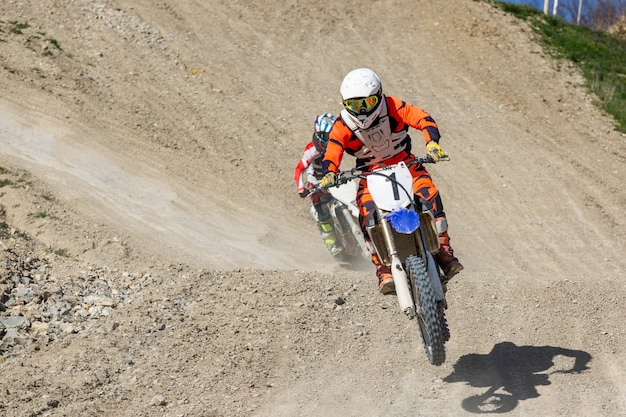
{"points": [[352, 235], [426, 309]]}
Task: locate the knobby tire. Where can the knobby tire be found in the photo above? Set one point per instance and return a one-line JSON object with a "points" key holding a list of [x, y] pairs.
{"points": [[426, 306]]}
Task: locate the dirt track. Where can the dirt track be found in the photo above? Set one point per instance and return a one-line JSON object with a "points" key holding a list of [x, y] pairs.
{"points": [[163, 136]]}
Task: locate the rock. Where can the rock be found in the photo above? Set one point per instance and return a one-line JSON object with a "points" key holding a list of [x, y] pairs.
{"points": [[158, 400]]}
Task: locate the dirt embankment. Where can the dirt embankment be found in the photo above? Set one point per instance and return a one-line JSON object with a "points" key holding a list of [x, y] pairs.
{"points": [[156, 259]]}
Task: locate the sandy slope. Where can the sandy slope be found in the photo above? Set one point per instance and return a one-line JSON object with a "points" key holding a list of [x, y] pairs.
{"points": [[177, 124]]}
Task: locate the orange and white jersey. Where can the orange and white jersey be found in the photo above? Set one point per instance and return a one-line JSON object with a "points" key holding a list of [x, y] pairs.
{"points": [[311, 164], [385, 141]]}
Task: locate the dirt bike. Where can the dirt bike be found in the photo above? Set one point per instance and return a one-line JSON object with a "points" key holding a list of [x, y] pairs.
{"points": [[404, 234], [344, 214]]}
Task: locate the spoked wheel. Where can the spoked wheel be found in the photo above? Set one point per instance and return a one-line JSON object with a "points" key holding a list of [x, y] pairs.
{"points": [[427, 317]]}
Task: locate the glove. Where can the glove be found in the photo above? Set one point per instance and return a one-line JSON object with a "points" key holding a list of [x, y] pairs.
{"points": [[328, 179], [304, 193], [435, 151]]}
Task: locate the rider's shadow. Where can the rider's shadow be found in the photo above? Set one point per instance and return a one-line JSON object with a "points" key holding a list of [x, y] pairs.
{"points": [[518, 370]]}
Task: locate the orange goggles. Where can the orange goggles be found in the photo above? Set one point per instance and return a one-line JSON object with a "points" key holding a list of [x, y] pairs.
{"points": [[362, 104]]}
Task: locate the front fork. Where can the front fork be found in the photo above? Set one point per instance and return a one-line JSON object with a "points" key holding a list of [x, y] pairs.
{"points": [[400, 279], [433, 270]]}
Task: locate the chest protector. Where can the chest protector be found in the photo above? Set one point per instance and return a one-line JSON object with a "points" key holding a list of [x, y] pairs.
{"points": [[316, 164], [379, 142]]}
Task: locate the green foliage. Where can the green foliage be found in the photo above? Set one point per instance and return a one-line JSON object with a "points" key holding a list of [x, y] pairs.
{"points": [[62, 252], [519, 11], [43, 215], [55, 43], [5, 231], [17, 27], [32, 37], [600, 56]]}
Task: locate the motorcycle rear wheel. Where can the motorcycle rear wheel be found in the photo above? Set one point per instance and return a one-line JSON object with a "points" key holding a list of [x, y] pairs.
{"points": [[426, 308]]}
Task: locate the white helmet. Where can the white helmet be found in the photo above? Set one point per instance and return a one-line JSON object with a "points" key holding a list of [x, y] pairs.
{"points": [[321, 129], [362, 94]]}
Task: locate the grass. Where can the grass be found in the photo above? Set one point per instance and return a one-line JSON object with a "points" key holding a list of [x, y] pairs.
{"points": [[54, 42], [62, 252], [17, 27], [5, 230], [600, 56], [43, 215]]}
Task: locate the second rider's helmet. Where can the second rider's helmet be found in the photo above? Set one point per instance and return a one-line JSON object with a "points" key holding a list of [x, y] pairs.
{"points": [[362, 94], [322, 127]]}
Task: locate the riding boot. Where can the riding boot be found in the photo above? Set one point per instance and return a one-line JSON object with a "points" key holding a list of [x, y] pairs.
{"points": [[383, 272], [445, 258], [328, 234]]}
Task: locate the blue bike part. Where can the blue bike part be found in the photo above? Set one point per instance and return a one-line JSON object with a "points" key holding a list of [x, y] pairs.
{"points": [[404, 221]]}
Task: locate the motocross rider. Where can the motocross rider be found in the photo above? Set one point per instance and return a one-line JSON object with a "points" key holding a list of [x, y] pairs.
{"points": [[374, 128], [311, 163]]}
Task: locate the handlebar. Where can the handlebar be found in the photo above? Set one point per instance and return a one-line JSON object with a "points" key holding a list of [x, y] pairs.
{"points": [[361, 171]]}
